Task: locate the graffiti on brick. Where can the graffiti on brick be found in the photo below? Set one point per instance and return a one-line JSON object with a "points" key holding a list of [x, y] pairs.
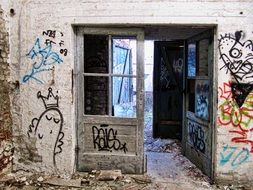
{"points": [[47, 128], [105, 139], [233, 156], [237, 56], [196, 136]]}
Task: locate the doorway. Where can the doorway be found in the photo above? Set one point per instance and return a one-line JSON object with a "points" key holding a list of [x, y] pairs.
{"points": [[110, 95], [179, 123]]}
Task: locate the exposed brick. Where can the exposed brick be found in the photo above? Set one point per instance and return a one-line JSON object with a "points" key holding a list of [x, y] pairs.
{"points": [[5, 113]]}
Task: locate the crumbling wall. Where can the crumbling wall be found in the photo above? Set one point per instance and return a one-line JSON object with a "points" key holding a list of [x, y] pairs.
{"points": [[6, 149], [42, 32]]}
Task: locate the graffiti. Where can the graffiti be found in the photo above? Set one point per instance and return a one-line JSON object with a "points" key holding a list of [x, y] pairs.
{"points": [[202, 99], [52, 34], [44, 59], [239, 118], [49, 33], [191, 60], [165, 79], [47, 128], [234, 156], [237, 56], [240, 92], [196, 136], [178, 65], [105, 139]]}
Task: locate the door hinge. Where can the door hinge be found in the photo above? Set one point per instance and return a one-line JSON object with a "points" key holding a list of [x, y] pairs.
{"points": [[77, 149]]}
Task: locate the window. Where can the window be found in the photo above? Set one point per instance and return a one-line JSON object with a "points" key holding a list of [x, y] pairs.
{"points": [[198, 59], [109, 75]]}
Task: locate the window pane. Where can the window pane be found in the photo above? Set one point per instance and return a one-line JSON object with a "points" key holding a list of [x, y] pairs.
{"points": [[95, 54], [96, 95], [191, 60], [124, 96], [124, 56]]}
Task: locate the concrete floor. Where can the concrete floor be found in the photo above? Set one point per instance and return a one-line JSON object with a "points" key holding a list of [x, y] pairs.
{"points": [[168, 167]]}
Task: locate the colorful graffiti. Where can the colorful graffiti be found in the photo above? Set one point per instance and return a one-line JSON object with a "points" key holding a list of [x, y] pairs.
{"points": [[236, 97], [240, 119], [47, 128], [233, 156]]}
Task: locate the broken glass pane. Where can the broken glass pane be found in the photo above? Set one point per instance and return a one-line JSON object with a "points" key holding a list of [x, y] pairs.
{"points": [[124, 56], [124, 96]]}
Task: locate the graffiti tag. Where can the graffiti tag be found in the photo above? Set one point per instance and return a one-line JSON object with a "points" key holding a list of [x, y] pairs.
{"points": [[105, 139], [231, 155], [44, 58], [197, 136]]}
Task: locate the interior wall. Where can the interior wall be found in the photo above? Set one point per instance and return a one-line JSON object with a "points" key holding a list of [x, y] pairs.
{"points": [[41, 28]]}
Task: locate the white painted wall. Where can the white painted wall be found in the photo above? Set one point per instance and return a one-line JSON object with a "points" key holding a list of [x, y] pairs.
{"points": [[35, 16]]}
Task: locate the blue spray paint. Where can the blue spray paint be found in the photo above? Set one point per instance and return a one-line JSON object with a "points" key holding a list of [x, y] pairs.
{"points": [[43, 60], [230, 155]]}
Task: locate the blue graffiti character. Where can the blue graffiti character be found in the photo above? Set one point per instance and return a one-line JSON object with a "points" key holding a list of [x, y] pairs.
{"points": [[43, 60]]}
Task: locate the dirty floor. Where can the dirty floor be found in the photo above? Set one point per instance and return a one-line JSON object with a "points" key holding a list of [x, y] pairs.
{"points": [[167, 169]]}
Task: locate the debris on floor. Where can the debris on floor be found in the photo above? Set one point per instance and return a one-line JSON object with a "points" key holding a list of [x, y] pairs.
{"points": [[108, 175]]}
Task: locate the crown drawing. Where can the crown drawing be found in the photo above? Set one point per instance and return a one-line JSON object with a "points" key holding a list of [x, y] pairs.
{"points": [[50, 100]]}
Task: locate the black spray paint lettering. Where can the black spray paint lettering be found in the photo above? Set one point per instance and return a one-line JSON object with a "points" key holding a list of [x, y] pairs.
{"points": [[237, 56], [105, 139], [197, 136], [53, 36], [47, 128], [49, 33]]}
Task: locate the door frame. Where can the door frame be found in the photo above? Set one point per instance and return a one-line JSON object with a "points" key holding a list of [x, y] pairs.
{"points": [[213, 85], [156, 82], [107, 119]]}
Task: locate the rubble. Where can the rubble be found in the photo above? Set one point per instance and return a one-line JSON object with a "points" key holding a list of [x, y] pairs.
{"points": [[64, 182], [142, 179], [107, 175]]}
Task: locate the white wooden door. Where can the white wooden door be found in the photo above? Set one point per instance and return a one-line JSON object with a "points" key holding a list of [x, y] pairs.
{"points": [[110, 96]]}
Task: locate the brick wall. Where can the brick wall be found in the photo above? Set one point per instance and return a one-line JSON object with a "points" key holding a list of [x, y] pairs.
{"points": [[6, 149]]}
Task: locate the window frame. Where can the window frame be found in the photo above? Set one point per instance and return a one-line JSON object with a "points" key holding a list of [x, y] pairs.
{"points": [[112, 33]]}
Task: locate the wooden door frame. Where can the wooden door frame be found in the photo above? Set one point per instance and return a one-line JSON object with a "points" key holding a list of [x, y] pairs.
{"points": [[79, 89]]}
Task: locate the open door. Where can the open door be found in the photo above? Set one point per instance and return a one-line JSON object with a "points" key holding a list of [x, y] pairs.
{"points": [[110, 87], [198, 117], [168, 89]]}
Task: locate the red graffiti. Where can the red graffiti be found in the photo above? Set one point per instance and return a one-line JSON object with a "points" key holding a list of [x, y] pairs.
{"points": [[240, 119]]}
